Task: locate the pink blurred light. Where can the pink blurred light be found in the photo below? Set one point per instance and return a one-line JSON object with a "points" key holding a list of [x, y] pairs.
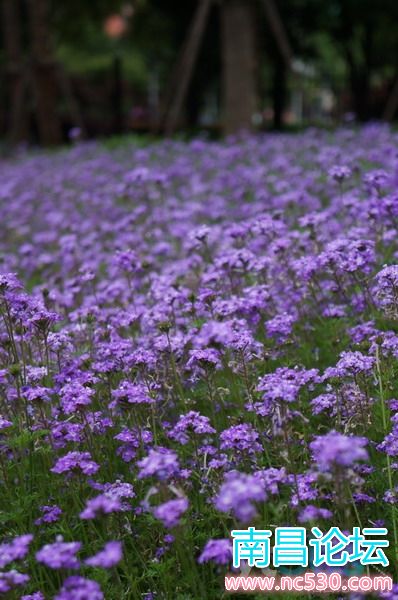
{"points": [[115, 26]]}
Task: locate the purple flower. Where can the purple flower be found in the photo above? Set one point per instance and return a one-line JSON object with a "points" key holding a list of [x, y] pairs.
{"points": [[9, 282], [360, 497], [324, 403], [160, 462], [348, 402], [12, 579], [170, 512], [36, 394], [131, 440], [242, 438], [204, 358], [391, 496], [51, 514], [104, 504], [337, 450], [192, 421], [376, 179], [280, 327], [132, 393], [119, 490], [4, 423], [314, 513], [354, 363], [390, 594], [14, 550], [386, 289], [76, 461], [222, 330], [283, 385], [344, 255], [217, 551], [339, 173], [272, 478], [79, 588], [75, 396], [60, 555], [108, 557], [237, 494]]}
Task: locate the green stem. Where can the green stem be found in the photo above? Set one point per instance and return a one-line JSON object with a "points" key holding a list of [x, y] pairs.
{"points": [[384, 418]]}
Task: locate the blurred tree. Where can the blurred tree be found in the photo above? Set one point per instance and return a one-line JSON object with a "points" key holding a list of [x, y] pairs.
{"points": [[367, 33], [239, 64], [44, 72], [16, 76], [350, 44], [162, 31], [279, 53], [185, 66], [360, 34]]}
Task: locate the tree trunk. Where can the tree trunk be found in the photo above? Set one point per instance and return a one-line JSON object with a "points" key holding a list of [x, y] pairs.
{"points": [[16, 80], [360, 71], [183, 70], [239, 65], [360, 89], [392, 102], [44, 73], [276, 24], [279, 91], [117, 95]]}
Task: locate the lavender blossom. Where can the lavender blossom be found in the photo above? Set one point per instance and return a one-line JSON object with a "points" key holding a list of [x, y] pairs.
{"points": [[160, 462], [107, 558], [337, 450], [238, 493], [217, 551], [60, 555], [79, 588], [17, 549], [73, 461], [103, 504], [170, 512]]}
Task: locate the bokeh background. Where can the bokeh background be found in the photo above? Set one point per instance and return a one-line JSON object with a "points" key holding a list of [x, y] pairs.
{"points": [[73, 69]]}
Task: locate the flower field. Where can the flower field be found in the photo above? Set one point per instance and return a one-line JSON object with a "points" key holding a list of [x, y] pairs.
{"points": [[195, 337]]}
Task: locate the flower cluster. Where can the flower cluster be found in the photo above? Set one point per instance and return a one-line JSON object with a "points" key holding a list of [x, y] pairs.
{"points": [[194, 337]]}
